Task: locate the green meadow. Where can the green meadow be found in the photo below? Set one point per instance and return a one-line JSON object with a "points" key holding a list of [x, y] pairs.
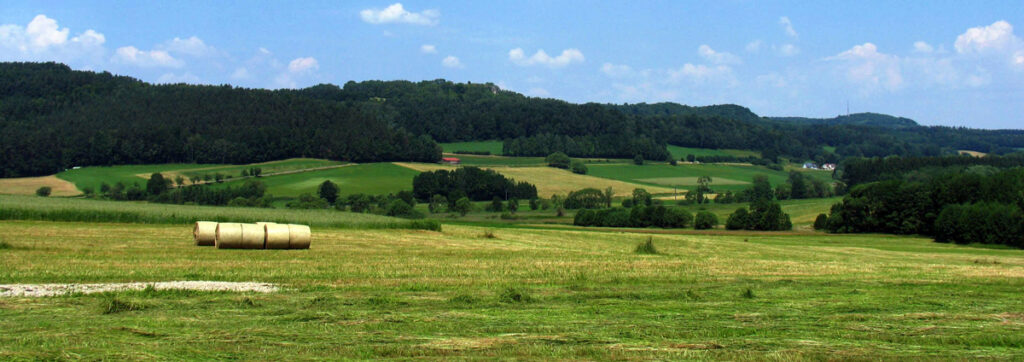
{"points": [[494, 147], [472, 292], [370, 178], [679, 152]]}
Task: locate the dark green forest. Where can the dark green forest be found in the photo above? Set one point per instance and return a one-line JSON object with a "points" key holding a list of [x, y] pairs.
{"points": [[53, 118]]}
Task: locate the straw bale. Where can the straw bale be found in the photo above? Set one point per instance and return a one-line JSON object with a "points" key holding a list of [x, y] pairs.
{"points": [[229, 236], [205, 233], [298, 236], [253, 236], [277, 236]]}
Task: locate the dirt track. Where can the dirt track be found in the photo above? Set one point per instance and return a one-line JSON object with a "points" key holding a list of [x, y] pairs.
{"points": [[50, 290]]}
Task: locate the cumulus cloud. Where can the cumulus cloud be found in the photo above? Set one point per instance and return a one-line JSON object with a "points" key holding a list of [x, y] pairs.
{"points": [[865, 66], [154, 58], [303, 65], [192, 46], [428, 49], [568, 56], [396, 13], [787, 26], [702, 74], [995, 37], [451, 61], [43, 39], [711, 55], [922, 47], [241, 73]]}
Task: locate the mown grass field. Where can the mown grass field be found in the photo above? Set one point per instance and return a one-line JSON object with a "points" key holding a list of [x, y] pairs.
{"points": [[370, 178], [524, 294], [94, 176], [29, 185], [723, 177], [494, 147], [551, 180], [289, 165]]}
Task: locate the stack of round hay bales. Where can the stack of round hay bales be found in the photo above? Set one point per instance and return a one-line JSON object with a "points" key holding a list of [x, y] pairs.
{"points": [[261, 235]]}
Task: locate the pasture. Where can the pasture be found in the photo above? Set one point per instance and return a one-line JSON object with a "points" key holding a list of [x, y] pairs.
{"points": [[29, 185], [551, 180], [680, 153], [723, 177], [533, 294], [370, 178]]}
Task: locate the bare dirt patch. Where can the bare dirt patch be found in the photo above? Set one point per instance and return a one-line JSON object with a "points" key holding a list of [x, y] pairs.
{"points": [[29, 185], [50, 290]]}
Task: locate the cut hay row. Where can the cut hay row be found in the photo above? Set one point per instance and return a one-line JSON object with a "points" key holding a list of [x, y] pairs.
{"points": [[261, 235]]}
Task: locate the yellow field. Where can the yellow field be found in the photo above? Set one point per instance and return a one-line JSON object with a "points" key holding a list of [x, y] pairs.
{"points": [[972, 153], [29, 185], [552, 180]]}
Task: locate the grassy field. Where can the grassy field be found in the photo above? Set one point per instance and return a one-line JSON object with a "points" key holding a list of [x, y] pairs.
{"points": [[93, 176], [551, 180], [494, 147], [370, 178], [56, 209], [289, 165], [801, 212], [523, 294], [681, 152], [724, 177], [485, 161]]}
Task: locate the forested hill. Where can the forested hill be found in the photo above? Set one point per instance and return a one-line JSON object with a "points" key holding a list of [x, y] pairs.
{"points": [[52, 118], [856, 119]]}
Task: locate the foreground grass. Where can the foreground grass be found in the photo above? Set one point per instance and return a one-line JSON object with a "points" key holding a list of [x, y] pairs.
{"points": [[54, 209], [539, 294]]}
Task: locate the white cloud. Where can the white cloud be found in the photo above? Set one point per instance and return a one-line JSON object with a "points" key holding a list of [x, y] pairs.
{"points": [[451, 61], [773, 79], [754, 46], [787, 26], [702, 74], [396, 13], [428, 49], [154, 58], [922, 47], [567, 57], [995, 37], [1018, 58], [44, 32], [43, 40], [864, 66], [614, 70], [303, 65], [534, 79], [711, 55], [786, 50], [191, 46]]}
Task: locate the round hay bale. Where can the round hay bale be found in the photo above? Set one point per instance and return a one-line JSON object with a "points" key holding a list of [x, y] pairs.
{"points": [[229, 236], [298, 236], [261, 223], [277, 236], [205, 233], [253, 236]]}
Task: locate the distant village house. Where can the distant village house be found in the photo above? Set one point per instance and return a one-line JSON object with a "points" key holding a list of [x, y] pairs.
{"points": [[451, 160]]}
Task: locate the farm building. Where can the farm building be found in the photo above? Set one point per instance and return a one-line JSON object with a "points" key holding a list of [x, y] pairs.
{"points": [[828, 166], [811, 165], [451, 160]]}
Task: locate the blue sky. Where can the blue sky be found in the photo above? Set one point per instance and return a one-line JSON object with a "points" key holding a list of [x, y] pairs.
{"points": [[939, 62]]}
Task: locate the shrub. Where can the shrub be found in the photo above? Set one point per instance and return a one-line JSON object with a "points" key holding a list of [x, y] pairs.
{"points": [[44, 191], [534, 204], [578, 167], [821, 222], [638, 160], [307, 201], [646, 247], [705, 220], [588, 198], [437, 204], [558, 159], [463, 206], [738, 220], [399, 208], [496, 205], [513, 295], [328, 191], [513, 205], [115, 305]]}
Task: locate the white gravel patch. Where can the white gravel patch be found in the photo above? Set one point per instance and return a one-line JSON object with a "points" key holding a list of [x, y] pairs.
{"points": [[50, 290]]}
